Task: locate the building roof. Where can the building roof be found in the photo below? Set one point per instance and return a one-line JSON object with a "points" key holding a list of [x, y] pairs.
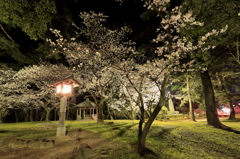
{"points": [[85, 104]]}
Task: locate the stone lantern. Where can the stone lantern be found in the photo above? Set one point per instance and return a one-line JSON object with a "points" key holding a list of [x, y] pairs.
{"points": [[64, 89]]}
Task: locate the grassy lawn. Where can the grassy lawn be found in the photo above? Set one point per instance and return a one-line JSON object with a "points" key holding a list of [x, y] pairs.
{"points": [[167, 139]]}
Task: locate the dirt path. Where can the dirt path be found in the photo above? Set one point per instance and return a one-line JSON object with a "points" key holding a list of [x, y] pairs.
{"points": [[66, 147]]}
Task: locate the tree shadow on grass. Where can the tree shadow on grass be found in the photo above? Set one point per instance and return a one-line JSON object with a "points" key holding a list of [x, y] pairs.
{"points": [[123, 131], [229, 129], [4, 131], [155, 132], [158, 131], [232, 120], [148, 154], [108, 128]]}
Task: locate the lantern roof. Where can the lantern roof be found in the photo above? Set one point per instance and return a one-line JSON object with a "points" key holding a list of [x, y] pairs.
{"points": [[68, 79]]}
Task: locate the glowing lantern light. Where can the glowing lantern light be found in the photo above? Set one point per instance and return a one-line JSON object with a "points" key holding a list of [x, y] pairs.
{"points": [[64, 88], [58, 88], [67, 89]]}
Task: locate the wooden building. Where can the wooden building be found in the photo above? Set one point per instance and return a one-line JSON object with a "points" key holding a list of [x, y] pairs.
{"points": [[86, 110]]}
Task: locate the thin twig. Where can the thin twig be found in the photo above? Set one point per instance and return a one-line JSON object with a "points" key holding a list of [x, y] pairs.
{"points": [[6, 33]]}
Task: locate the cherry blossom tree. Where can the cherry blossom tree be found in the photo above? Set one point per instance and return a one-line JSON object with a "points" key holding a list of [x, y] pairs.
{"points": [[30, 88], [92, 53], [138, 76], [10, 93], [150, 97], [173, 49], [6, 76]]}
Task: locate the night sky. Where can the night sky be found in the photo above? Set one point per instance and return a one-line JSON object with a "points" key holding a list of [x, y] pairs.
{"points": [[128, 13]]}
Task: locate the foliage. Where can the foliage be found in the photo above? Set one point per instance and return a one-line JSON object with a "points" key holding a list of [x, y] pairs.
{"points": [[12, 49], [220, 18], [205, 11], [180, 89], [31, 16], [226, 84], [163, 114]]}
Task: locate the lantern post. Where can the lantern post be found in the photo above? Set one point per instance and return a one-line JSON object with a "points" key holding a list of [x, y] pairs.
{"points": [[64, 89], [61, 130]]}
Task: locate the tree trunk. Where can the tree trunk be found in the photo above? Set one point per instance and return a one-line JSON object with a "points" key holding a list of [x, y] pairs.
{"points": [[31, 114], [148, 113], [211, 111], [100, 112], [141, 148], [228, 94], [15, 113], [99, 106], [36, 116], [110, 113], [27, 116], [114, 115], [1, 116], [47, 114], [142, 139], [41, 119], [191, 109], [55, 114], [133, 114], [111, 117], [232, 111], [3, 113], [48, 110], [100, 115]]}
